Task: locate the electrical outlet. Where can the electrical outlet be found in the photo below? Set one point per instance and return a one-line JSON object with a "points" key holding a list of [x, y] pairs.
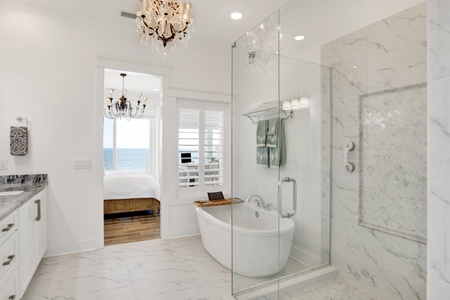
{"points": [[82, 164], [3, 164]]}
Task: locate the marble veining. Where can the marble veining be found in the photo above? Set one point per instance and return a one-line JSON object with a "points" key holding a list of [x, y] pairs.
{"points": [[385, 56], [393, 164], [439, 150], [156, 269], [11, 181]]}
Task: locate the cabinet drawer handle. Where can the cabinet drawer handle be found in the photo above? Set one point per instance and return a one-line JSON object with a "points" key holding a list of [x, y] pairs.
{"points": [[7, 228], [38, 202], [10, 258], [12, 297]]}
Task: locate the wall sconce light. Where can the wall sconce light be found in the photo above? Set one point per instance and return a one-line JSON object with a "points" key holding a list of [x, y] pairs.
{"points": [[303, 102], [295, 104]]}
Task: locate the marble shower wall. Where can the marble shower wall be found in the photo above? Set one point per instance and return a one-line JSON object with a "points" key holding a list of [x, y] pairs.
{"points": [[439, 151], [387, 58]]}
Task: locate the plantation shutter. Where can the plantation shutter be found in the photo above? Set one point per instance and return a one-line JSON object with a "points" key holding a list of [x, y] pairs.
{"points": [[188, 147], [201, 146], [213, 147]]}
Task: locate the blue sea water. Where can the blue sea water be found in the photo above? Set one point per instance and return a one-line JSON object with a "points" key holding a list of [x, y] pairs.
{"points": [[126, 159]]}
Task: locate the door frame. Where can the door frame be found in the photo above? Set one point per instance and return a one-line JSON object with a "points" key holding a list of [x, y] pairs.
{"points": [[101, 65]]}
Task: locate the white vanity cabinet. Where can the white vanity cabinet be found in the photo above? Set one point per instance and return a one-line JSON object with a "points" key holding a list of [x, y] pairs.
{"points": [[8, 258], [32, 233]]}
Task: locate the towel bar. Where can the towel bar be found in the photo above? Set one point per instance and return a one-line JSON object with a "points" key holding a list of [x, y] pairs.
{"points": [[256, 115], [20, 119]]}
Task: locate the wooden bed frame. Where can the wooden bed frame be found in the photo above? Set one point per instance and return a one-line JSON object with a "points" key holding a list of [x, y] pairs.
{"points": [[130, 205]]}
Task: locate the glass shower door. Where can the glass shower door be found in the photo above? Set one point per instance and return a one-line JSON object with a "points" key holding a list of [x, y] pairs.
{"points": [[281, 163], [255, 107]]}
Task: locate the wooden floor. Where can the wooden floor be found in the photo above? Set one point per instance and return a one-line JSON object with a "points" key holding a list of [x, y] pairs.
{"points": [[131, 227]]}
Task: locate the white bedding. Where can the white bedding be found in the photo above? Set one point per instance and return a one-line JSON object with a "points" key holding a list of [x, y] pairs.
{"points": [[125, 184]]}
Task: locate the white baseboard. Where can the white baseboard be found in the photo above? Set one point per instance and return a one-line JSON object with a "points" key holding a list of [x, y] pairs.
{"points": [[304, 257], [180, 232], [72, 247]]}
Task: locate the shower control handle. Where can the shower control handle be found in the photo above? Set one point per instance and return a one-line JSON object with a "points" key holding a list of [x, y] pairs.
{"points": [[280, 197], [350, 146]]}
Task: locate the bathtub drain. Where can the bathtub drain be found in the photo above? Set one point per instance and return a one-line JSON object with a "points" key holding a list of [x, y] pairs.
{"points": [[256, 214]]}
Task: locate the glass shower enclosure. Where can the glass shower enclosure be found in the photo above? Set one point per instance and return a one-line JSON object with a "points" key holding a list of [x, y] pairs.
{"points": [[281, 160]]}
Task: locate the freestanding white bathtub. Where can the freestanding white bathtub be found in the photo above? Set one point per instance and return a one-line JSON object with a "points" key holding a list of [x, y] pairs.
{"points": [[255, 238]]}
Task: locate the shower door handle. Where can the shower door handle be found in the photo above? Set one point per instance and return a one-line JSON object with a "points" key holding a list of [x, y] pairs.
{"points": [[350, 146], [280, 197]]}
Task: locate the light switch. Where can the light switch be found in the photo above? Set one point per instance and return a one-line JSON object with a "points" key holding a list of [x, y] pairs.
{"points": [[3, 164], [82, 164]]}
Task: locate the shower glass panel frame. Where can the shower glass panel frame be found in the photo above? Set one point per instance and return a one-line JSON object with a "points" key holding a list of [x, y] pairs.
{"points": [[266, 84]]}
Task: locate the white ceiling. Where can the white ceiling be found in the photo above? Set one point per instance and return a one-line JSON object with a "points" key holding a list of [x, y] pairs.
{"points": [[319, 20], [211, 17]]}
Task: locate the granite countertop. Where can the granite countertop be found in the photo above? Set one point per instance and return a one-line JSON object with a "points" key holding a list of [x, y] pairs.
{"points": [[29, 184]]}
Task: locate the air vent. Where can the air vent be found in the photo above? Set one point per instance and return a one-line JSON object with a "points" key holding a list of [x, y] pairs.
{"points": [[127, 14]]}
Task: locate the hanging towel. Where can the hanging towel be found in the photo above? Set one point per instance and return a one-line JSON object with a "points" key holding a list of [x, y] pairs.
{"points": [[18, 142], [262, 156], [261, 133], [262, 152], [276, 143]]}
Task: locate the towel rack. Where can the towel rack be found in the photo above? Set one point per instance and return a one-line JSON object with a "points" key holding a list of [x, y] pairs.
{"points": [[20, 119], [256, 115]]}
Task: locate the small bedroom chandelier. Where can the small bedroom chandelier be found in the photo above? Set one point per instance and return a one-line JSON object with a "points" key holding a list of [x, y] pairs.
{"points": [[123, 108], [163, 23]]}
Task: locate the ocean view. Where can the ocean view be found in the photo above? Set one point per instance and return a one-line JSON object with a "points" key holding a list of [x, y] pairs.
{"points": [[126, 159]]}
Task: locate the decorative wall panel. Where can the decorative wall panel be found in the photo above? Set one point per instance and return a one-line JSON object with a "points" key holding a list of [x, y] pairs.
{"points": [[393, 169]]}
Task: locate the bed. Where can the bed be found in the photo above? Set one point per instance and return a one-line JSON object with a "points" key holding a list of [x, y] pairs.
{"points": [[128, 191]]}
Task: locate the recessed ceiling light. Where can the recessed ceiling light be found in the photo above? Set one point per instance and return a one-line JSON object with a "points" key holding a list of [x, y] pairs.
{"points": [[299, 38], [236, 14]]}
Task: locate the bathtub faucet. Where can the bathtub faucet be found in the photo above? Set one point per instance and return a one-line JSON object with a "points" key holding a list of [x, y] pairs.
{"points": [[256, 198]]}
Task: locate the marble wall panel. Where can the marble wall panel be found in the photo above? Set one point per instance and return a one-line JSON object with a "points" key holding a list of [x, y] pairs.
{"points": [[439, 48], [438, 282], [386, 55], [439, 139], [393, 126], [390, 54]]}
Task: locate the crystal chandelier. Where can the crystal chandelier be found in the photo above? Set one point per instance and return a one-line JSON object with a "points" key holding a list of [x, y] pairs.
{"points": [[164, 23], [123, 108], [262, 45]]}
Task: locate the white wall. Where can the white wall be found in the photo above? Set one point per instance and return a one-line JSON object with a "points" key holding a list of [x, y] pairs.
{"points": [[49, 74], [180, 218]]}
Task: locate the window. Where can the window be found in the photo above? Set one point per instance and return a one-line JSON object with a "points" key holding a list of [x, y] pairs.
{"points": [[126, 144], [201, 136]]}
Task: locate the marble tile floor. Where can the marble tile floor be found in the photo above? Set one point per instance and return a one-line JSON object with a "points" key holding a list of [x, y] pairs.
{"points": [[336, 289], [147, 270], [242, 283], [175, 269]]}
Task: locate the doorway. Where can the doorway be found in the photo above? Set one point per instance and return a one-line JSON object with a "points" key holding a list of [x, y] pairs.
{"points": [[131, 189]]}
